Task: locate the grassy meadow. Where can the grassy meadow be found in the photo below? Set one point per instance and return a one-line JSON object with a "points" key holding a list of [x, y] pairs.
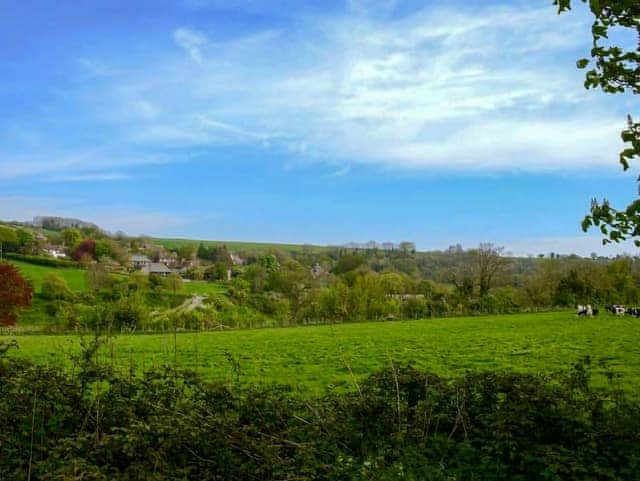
{"points": [[74, 277], [319, 358], [204, 288]]}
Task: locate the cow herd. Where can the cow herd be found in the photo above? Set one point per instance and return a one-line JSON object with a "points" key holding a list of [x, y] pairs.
{"points": [[615, 309]]}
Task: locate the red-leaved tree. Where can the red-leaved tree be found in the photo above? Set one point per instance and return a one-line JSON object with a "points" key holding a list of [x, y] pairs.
{"points": [[86, 249], [15, 293]]}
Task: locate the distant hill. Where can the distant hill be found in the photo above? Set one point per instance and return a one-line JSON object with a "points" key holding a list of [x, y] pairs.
{"points": [[176, 243], [60, 223]]}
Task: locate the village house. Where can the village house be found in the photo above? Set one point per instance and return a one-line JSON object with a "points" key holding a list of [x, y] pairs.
{"points": [[317, 270], [167, 258], [156, 268], [236, 259], [139, 261], [56, 252]]}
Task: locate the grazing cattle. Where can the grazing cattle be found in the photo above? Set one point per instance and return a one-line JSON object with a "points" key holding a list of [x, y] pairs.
{"points": [[585, 310], [633, 311], [617, 309]]}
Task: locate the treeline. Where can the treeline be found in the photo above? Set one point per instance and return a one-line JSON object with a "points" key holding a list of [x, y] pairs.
{"points": [[90, 423], [281, 290], [355, 286]]}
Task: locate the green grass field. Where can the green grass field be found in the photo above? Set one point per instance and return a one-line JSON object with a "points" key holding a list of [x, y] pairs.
{"points": [[314, 359], [204, 288], [75, 277], [238, 245]]}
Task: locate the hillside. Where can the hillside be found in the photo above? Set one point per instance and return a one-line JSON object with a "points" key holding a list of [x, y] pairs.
{"points": [[261, 247]]}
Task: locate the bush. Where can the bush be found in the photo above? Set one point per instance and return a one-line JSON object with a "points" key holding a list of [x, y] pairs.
{"points": [[54, 287], [216, 272], [400, 423], [130, 313]]}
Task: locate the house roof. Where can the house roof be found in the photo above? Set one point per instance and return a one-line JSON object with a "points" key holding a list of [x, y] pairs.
{"points": [[156, 268], [236, 259], [139, 258]]}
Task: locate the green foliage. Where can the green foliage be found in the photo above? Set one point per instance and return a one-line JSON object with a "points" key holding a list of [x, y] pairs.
{"points": [[216, 272], [71, 237], [54, 288], [139, 281], [215, 254], [98, 278], [187, 251], [9, 239], [348, 262], [401, 423], [27, 241], [103, 248], [173, 283], [614, 70], [42, 261], [130, 313], [269, 263]]}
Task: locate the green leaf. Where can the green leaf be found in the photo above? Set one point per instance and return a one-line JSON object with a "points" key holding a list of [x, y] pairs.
{"points": [[582, 63]]}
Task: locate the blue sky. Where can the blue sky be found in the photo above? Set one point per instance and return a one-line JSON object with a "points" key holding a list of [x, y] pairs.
{"points": [[318, 121]]}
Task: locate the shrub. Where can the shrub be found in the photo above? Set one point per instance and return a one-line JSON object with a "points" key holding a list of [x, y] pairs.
{"points": [[400, 423], [54, 287]]}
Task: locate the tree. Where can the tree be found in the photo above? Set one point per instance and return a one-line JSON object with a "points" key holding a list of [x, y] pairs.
{"points": [[614, 70], [173, 282], [27, 241], [71, 237], [85, 249], [15, 293], [9, 239], [103, 248], [216, 272], [98, 278], [139, 281], [407, 247], [348, 262], [187, 252], [487, 262]]}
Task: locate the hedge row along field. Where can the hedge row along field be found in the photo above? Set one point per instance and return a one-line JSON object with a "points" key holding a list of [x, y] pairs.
{"points": [[401, 424], [320, 358]]}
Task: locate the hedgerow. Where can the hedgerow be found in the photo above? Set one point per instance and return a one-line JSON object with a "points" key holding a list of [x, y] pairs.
{"points": [[400, 423]]}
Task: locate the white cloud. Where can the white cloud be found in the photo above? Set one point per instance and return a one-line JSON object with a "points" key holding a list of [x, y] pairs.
{"points": [[488, 88], [435, 89], [191, 41]]}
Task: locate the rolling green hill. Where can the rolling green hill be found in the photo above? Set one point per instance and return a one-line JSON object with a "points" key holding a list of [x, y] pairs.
{"points": [[239, 245]]}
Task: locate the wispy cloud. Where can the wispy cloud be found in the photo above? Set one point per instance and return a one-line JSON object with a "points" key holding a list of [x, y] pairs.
{"points": [[88, 177], [191, 41], [96, 68], [488, 88], [437, 88]]}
